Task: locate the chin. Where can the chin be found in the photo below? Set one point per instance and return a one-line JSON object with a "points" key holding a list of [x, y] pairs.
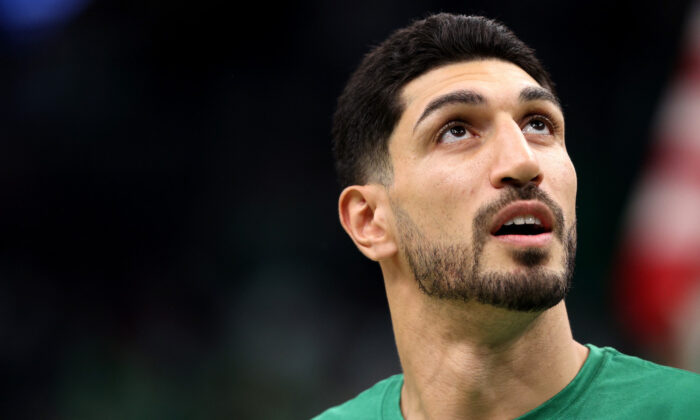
{"points": [[531, 257]]}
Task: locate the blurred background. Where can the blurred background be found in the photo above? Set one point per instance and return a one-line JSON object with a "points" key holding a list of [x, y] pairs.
{"points": [[170, 245]]}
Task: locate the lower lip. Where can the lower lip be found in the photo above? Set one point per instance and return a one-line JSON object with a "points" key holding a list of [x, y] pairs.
{"points": [[541, 240]]}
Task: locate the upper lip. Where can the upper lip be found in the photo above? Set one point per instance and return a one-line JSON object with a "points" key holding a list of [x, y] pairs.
{"points": [[523, 208]]}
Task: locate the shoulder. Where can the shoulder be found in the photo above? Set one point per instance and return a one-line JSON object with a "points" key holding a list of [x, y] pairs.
{"points": [[367, 405], [612, 385], [647, 384], [625, 368]]}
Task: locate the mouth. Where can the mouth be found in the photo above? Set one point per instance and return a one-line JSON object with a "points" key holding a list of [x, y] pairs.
{"points": [[524, 223]]}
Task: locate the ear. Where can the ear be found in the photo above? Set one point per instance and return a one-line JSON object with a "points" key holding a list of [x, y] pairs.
{"points": [[364, 213]]}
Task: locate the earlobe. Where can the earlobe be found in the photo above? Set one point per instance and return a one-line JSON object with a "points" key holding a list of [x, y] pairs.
{"points": [[364, 212]]}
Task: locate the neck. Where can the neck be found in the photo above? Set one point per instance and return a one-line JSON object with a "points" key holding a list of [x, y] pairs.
{"points": [[467, 360]]}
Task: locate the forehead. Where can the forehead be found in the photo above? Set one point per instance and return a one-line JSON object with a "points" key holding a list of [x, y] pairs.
{"points": [[495, 79]]}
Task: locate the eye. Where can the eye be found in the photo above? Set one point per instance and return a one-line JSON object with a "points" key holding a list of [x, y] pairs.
{"points": [[537, 125], [453, 132]]}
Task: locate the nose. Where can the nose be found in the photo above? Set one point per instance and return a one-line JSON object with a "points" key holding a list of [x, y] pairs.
{"points": [[515, 163]]}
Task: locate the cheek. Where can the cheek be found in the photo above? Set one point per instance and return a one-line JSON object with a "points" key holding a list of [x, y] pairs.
{"points": [[456, 177], [572, 179], [563, 183], [439, 198], [447, 187]]}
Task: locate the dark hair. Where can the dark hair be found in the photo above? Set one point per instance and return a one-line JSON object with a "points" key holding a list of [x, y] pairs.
{"points": [[369, 107]]}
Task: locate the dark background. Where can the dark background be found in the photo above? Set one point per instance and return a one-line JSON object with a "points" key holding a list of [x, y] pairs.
{"points": [[169, 239]]}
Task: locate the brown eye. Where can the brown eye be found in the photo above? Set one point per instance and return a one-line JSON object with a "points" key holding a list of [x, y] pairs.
{"points": [[454, 132], [536, 126], [458, 131]]}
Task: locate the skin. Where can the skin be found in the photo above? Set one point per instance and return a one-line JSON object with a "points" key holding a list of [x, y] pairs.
{"points": [[465, 360]]}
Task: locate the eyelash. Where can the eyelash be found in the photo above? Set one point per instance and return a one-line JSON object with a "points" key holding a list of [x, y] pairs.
{"points": [[449, 125], [550, 122]]}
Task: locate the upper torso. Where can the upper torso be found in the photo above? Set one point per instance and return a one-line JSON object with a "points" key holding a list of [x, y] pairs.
{"points": [[610, 385]]}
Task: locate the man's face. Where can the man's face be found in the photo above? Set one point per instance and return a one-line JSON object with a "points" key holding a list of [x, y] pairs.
{"points": [[483, 191]]}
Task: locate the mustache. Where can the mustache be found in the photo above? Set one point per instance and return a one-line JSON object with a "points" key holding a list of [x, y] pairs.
{"points": [[510, 194]]}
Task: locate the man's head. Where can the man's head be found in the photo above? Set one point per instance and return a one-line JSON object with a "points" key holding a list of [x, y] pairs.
{"points": [[450, 143], [370, 105]]}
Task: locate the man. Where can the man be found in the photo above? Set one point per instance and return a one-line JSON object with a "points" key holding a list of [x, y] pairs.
{"points": [[449, 141]]}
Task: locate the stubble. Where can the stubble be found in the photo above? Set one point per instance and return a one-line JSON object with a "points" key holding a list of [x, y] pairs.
{"points": [[453, 270]]}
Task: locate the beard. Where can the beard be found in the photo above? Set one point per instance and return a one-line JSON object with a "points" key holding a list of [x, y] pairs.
{"points": [[452, 270]]}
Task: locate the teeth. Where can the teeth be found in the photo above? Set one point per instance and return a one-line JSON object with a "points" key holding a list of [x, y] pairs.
{"points": [[524, 220]]}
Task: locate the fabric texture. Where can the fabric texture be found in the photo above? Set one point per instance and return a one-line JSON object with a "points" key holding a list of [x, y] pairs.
{"points": [[609, 385]]}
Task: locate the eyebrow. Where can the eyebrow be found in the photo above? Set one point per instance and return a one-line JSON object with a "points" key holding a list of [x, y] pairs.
{"points": [[469, 97], [536, 93]]}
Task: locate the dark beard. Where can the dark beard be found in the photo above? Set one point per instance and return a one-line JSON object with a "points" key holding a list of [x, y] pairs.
{"points": [[453, 271]]}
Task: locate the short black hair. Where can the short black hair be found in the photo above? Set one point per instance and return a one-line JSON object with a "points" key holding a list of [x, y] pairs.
{"points": [[370, 106]]}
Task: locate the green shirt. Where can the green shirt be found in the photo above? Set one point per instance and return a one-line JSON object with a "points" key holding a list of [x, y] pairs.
{"points": [[610, 385]]}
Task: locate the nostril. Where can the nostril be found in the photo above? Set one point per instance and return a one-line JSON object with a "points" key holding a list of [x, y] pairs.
{"points": [[515, 173], [515, 182]]}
